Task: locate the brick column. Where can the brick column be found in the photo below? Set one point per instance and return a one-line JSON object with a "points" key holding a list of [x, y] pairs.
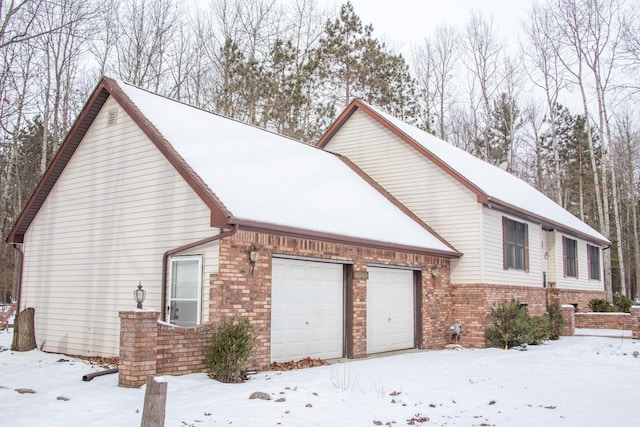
{"points": [[635, 321], [568, 314], [138, 347]]}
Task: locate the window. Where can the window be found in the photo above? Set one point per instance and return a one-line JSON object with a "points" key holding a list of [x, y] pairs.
{"points": [[515, 245], [185, 290], [570, 257], [593, 254]]}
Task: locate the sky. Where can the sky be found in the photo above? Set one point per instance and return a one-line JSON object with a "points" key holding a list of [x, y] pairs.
{"points": [[403, 22], [581, 381]]}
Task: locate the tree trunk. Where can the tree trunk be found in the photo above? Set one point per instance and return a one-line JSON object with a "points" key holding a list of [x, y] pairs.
{"points": [[155, 400], [24, 337]]}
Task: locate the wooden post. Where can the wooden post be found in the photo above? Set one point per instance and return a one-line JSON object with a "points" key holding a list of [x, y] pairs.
{"points": [[24, 337], [155, 401]]}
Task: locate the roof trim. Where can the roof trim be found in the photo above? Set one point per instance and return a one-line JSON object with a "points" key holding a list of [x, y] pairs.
{"points": [[481, 196], [105, 88], [506, 208], [335, 238]]}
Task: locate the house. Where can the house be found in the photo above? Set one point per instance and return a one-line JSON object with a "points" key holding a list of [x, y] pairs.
{"points": [[515, 241], [216, 218]]}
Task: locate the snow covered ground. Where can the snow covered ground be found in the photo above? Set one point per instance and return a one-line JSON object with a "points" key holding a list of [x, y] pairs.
{"points": [[577, 381]]}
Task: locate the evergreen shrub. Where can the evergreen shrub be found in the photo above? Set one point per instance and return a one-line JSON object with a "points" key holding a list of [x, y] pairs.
{"points": [[622, 303], [510, 325], [598, 305], [230, 349], [556, 321]]}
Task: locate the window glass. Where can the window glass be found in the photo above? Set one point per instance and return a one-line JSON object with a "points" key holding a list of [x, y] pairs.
{"points": [[570, 257], [593, 253], [515, 244]]}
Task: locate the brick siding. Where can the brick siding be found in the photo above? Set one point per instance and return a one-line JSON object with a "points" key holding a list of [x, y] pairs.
{"points": [[579, 299], [237, 292], [472, 303]]}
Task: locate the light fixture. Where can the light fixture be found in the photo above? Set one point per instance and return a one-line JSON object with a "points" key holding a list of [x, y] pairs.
{"points": [[636, 301], [434, 272], [254, 254], [139, 295]]}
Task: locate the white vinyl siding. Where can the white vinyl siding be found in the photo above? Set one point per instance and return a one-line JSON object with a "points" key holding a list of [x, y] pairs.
{"points": [[116, 208], [582, 282], [438, 199], [493, 255]]}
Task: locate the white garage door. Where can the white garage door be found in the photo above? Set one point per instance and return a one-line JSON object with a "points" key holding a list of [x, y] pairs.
{"points": [[307, 310], [390, 310]]}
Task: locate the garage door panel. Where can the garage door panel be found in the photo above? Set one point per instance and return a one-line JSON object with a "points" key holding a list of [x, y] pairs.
{"points": [[390, 310], [306, 310]]}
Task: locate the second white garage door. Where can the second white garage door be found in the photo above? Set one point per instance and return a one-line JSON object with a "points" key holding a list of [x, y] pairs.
{"points": [[307, 310], [390, 310]]}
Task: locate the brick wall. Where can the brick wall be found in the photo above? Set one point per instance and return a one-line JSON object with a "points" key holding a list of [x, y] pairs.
{"points": [[579, 299], [604, 320], [635, 323], [182, 350], [236, 292], [472, 303], [138, 342]]}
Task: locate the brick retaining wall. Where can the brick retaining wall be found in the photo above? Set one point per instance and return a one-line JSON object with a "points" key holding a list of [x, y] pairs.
{"points": [[604, 320]]}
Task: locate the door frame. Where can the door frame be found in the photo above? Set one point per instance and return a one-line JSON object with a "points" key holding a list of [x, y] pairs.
{"points": [[172, 261]]}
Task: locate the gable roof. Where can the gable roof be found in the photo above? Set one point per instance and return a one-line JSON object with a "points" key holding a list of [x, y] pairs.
{"points": [[251, 177], [492, 186]]}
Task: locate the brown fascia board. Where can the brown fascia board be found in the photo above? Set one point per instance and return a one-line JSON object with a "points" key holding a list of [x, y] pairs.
{"points": [[481, 196], [501, 206], [395, 201], [105, 88], [336, 238], [219, 212]]}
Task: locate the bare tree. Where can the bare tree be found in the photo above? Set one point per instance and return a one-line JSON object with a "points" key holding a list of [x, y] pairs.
{"points": [[540, 53], [434, 64], [483, 55], [146, 28]]}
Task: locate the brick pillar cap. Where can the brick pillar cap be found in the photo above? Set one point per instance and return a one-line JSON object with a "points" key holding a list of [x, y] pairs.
{"points": [[567, 306]]}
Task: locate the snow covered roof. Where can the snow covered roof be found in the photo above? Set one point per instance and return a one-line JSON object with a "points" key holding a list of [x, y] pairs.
{"points": [[493, 185], [253, 177]]}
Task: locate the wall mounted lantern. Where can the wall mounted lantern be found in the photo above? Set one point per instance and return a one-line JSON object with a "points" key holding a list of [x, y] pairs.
{"points": [[139, 295], [254, 254], [434, 272]]}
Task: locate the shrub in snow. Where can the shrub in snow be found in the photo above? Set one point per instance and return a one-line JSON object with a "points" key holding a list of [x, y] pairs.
{"points": [[230, 350], [510, 325], [622, 303], [556, 321], [598, 305], [540, 329]]}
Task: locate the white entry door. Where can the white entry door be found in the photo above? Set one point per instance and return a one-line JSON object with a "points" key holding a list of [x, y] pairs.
{"points": [[307, 310], [390, 310]]}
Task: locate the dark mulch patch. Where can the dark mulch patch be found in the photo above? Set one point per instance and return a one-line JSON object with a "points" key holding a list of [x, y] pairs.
{"points": [[307, 362], [105, 362]]}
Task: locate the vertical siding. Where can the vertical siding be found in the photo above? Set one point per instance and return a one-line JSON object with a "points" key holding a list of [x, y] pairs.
{"points": [[116, 208], [493, 253], [582, 282], [438, 199]]}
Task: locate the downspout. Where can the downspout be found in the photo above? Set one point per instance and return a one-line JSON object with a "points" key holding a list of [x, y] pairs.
{"points": [[170, 252], [19, 288]]}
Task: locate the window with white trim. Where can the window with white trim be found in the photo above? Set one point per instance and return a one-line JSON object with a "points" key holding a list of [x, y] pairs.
{"points": [[185, 290]]}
